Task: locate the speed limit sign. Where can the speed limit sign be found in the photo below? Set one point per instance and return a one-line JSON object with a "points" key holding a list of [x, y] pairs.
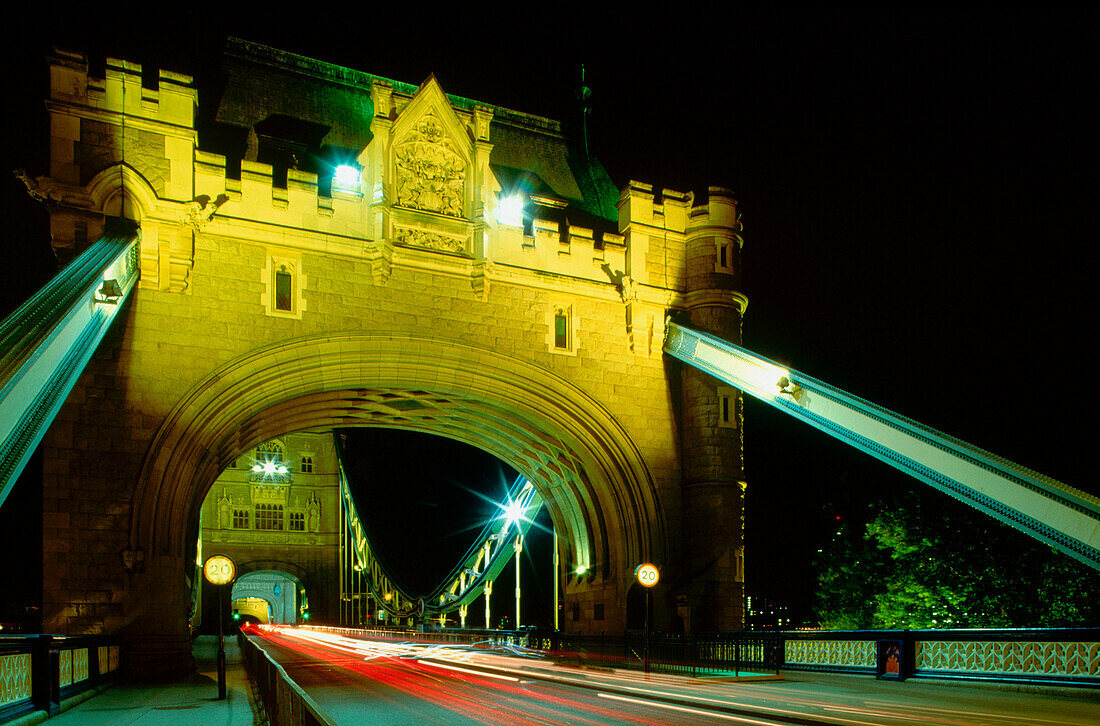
{"points": [[219, 570], [647, 575]]}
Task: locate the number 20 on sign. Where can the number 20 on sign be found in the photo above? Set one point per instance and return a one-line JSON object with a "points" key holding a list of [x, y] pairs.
{"points": [[219, 570], [647, 575]]}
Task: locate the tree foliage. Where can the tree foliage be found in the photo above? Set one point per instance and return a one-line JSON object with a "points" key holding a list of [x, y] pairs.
{"points": [[931, 562]]}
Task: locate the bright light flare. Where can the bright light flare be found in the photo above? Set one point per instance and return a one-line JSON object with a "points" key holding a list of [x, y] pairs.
{"points": [[346, 176], [510, 210], [761, 378], [270, 468], [765, 377], [513, 512]]}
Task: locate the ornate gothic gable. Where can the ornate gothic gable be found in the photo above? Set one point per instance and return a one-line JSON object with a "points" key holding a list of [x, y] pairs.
{"points": [[430, 172], [431, 167]]}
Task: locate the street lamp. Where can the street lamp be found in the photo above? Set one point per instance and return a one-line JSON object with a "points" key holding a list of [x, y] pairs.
{"points": [[519, 548], [513, 513]]}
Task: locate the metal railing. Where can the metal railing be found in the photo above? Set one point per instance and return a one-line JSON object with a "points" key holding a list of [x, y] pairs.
{"points": [[40, 672], [699, 655], [283, 701]]}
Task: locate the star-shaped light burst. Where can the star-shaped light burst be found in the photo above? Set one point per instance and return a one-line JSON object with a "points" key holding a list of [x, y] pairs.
{"points": [[270, 469], [512, 511]]}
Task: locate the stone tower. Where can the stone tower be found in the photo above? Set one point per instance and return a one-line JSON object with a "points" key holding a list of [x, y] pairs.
{"points": [[710, 424], [276, 298]]}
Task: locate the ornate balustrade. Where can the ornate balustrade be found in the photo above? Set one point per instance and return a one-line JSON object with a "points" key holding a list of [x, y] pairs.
{"points": [[1068, 656], [40, 672]]}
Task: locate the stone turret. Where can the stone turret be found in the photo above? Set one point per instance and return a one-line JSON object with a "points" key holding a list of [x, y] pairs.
{"points": [[710, 425]]}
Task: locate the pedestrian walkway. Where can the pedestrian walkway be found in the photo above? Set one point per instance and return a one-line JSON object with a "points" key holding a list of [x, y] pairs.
{"points": [[192, 700]]}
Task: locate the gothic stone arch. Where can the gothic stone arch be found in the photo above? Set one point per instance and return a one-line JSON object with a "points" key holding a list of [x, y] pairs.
{"points": [[599, 492]]}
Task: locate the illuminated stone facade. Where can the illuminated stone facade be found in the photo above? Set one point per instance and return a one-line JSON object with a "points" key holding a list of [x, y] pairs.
{"points": [[273, 299], [278, 521]]}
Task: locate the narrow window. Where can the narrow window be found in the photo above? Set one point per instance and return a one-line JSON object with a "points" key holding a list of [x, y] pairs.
{"points": [[306, 465], [576, 611], [284, 289], [597, 613], [561, 329], [724, 260], [297, 522], [240, 519], [561, 333], [727, 407], [283, 285]]}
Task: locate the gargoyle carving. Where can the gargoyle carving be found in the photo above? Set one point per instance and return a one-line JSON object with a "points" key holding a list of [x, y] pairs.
{"points": [[43, 188], [201, 211]]}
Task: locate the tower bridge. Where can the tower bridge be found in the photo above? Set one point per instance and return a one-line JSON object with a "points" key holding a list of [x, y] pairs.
{"points": [[466, 273], [330, 249]]}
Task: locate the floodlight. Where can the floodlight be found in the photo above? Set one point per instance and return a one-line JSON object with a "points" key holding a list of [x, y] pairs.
{"points": [[510, 210], [346, 176]]}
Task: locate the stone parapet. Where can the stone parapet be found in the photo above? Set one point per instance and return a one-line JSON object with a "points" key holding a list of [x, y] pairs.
{"points": [[121, 91]]}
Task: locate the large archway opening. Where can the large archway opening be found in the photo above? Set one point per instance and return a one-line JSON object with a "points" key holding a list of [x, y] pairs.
{"points": [[269, 596], [599, 494]]}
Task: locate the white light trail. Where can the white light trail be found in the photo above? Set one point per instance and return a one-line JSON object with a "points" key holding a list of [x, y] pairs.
{"points": [[685, 709], [470, 671]]}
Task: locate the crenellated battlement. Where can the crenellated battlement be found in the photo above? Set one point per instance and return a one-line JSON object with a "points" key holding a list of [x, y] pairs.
{"points": [[121, 90], [297, 205], [719, 211], [98, 122]]}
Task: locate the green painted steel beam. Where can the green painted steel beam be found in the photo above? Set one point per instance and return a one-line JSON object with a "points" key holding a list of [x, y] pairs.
{"points": [[1050, 511], [49, 339]]}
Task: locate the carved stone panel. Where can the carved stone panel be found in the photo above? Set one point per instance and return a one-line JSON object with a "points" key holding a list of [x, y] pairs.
{"points": [[431, 174], [429, 240]]}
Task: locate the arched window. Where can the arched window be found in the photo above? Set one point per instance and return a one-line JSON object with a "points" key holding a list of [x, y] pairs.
{"points": [[562, 327]]}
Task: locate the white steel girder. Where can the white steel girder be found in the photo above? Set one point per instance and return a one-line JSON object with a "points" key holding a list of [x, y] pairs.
{"points": [[1064, 517]]}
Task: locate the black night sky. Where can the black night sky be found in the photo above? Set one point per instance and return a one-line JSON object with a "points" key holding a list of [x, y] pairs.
{"points": [[917, 189]]}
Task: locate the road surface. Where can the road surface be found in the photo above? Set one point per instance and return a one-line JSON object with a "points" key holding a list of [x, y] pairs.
{"points": [[369, 681]]}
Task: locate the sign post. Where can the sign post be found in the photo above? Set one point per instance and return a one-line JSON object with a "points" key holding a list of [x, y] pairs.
{"points": [[219, 570], [648, 576]]}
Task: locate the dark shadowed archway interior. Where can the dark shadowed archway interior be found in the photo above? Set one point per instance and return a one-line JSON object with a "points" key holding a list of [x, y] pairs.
{"points": [[423, 511]]}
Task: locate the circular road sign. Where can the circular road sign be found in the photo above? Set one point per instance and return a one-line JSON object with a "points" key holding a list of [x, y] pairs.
{"points": [[647, 575], [219, 570]]}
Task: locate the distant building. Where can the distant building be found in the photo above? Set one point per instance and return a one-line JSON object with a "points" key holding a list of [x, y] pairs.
{"points": [[767, 613], [275, 513]]}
